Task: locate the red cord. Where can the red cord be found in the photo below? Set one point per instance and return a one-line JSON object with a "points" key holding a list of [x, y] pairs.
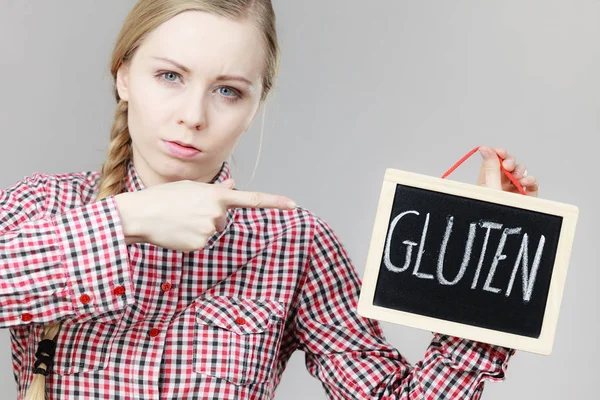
{"points": [[508, 174]]}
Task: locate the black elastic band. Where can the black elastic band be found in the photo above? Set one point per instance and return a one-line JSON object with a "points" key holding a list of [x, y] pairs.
{"points": [[43, 360], [44, 355], [46, 346], [41, 371]]}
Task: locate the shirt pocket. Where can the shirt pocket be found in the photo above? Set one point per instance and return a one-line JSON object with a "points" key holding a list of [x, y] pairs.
{"points": [[83, 347], [237, 339]]}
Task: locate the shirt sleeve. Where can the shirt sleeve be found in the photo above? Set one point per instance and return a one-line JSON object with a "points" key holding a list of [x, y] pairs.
{"points": [[350, 356], [53, 266]]}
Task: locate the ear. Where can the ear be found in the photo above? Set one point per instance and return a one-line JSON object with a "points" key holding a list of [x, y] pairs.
{"points": [[123, 82]]}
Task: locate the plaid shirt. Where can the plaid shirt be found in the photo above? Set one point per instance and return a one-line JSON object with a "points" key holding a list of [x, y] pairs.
{"points": [[140, 321]]}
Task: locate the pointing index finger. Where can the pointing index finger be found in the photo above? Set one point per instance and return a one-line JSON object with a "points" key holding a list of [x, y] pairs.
{"points": [[239, 198]]}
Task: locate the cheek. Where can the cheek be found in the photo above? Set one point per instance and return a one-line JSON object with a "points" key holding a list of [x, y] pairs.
{"points": [[230, 125], [148, 108], [233, 119], [227, 124]]}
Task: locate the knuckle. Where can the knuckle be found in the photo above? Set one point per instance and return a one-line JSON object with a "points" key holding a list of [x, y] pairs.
{"points": [[216, 213], [218, 195], [210, 229]]}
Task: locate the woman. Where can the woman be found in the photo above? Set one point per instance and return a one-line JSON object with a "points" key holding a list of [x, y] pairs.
{"points": [[156, 279]]}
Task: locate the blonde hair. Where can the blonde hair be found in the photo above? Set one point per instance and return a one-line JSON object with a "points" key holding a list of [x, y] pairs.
{"points": [[144, 17]]}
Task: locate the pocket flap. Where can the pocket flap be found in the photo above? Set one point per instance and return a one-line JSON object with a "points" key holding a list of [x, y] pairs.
{"points": [[239, 315], [83, 347]]}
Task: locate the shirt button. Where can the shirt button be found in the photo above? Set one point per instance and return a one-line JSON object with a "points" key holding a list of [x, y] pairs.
{"points": [[26, 317], [85, 299], [166, 286], [154, 332], [119, 291], [240, 321]]}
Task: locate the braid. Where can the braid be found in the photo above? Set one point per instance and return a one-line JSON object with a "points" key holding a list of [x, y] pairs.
{"points": [[114, 169], [37, 389], [114, 173]]}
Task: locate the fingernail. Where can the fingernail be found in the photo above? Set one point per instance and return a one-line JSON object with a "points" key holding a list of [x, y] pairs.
{"points": [[291, 204]]}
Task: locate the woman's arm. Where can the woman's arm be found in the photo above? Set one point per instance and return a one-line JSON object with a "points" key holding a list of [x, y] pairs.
{"points": [[350, 356], [56, 264]]}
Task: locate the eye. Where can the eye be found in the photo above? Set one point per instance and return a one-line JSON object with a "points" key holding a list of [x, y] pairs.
{"points": [[228, 92], [168, 77]]}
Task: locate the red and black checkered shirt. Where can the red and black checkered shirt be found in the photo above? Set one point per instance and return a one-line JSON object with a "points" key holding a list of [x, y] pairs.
{"points": [[145, 322]]}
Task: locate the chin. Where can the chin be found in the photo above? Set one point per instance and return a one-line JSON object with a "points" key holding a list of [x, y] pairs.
{"points": [[172, 169], [178, 171]]}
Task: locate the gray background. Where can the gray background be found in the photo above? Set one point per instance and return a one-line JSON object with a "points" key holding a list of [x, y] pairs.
{"points": [[364, 86]]}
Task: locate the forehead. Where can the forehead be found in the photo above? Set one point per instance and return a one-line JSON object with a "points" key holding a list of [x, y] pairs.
{"points": [[208, 44]]}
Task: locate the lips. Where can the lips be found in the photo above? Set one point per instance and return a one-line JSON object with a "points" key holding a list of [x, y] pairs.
{"points": [[180, 149], [185, 145]]}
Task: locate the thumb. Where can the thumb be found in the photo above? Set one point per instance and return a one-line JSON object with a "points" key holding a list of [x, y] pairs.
{"points": [[228, 183], [490, 174]]}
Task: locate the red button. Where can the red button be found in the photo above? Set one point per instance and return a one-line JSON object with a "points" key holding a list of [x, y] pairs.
{"points": [[166, 286], [240, 321], [85, 299], [119, 291], [154, 332], [26, 317]]}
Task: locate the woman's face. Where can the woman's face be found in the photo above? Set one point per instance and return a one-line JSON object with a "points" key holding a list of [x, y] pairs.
{"points": [[205, 97]]}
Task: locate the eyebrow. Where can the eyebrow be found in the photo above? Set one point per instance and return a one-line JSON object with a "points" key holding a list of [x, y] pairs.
{"points": [[220, 77]]}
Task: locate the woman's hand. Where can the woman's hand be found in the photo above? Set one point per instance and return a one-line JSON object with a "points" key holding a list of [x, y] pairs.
{"points": [[490, 174], [183, 215]]}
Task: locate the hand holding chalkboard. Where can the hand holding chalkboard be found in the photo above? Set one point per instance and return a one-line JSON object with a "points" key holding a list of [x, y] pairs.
{"points": [[468, 261], [499, 170]]}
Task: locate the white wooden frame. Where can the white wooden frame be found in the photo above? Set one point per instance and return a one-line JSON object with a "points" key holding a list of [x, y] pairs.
{"points": [[543, 344]]}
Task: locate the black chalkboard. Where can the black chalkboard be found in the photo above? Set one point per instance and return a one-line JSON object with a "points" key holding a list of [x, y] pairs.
{"points": [[415, 286], [468, 261]]}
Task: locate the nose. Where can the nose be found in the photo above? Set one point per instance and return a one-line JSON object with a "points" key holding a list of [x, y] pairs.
{"points": [[193, 114]]}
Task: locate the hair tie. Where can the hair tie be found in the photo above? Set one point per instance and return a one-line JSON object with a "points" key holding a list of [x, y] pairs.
{"points": [[44, 354]]}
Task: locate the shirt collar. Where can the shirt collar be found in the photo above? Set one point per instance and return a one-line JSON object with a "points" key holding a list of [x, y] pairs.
{"points": [[134, 183]]}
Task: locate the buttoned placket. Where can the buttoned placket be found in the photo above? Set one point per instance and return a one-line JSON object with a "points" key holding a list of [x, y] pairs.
{"points": [[169, 280], [168, 283]]}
